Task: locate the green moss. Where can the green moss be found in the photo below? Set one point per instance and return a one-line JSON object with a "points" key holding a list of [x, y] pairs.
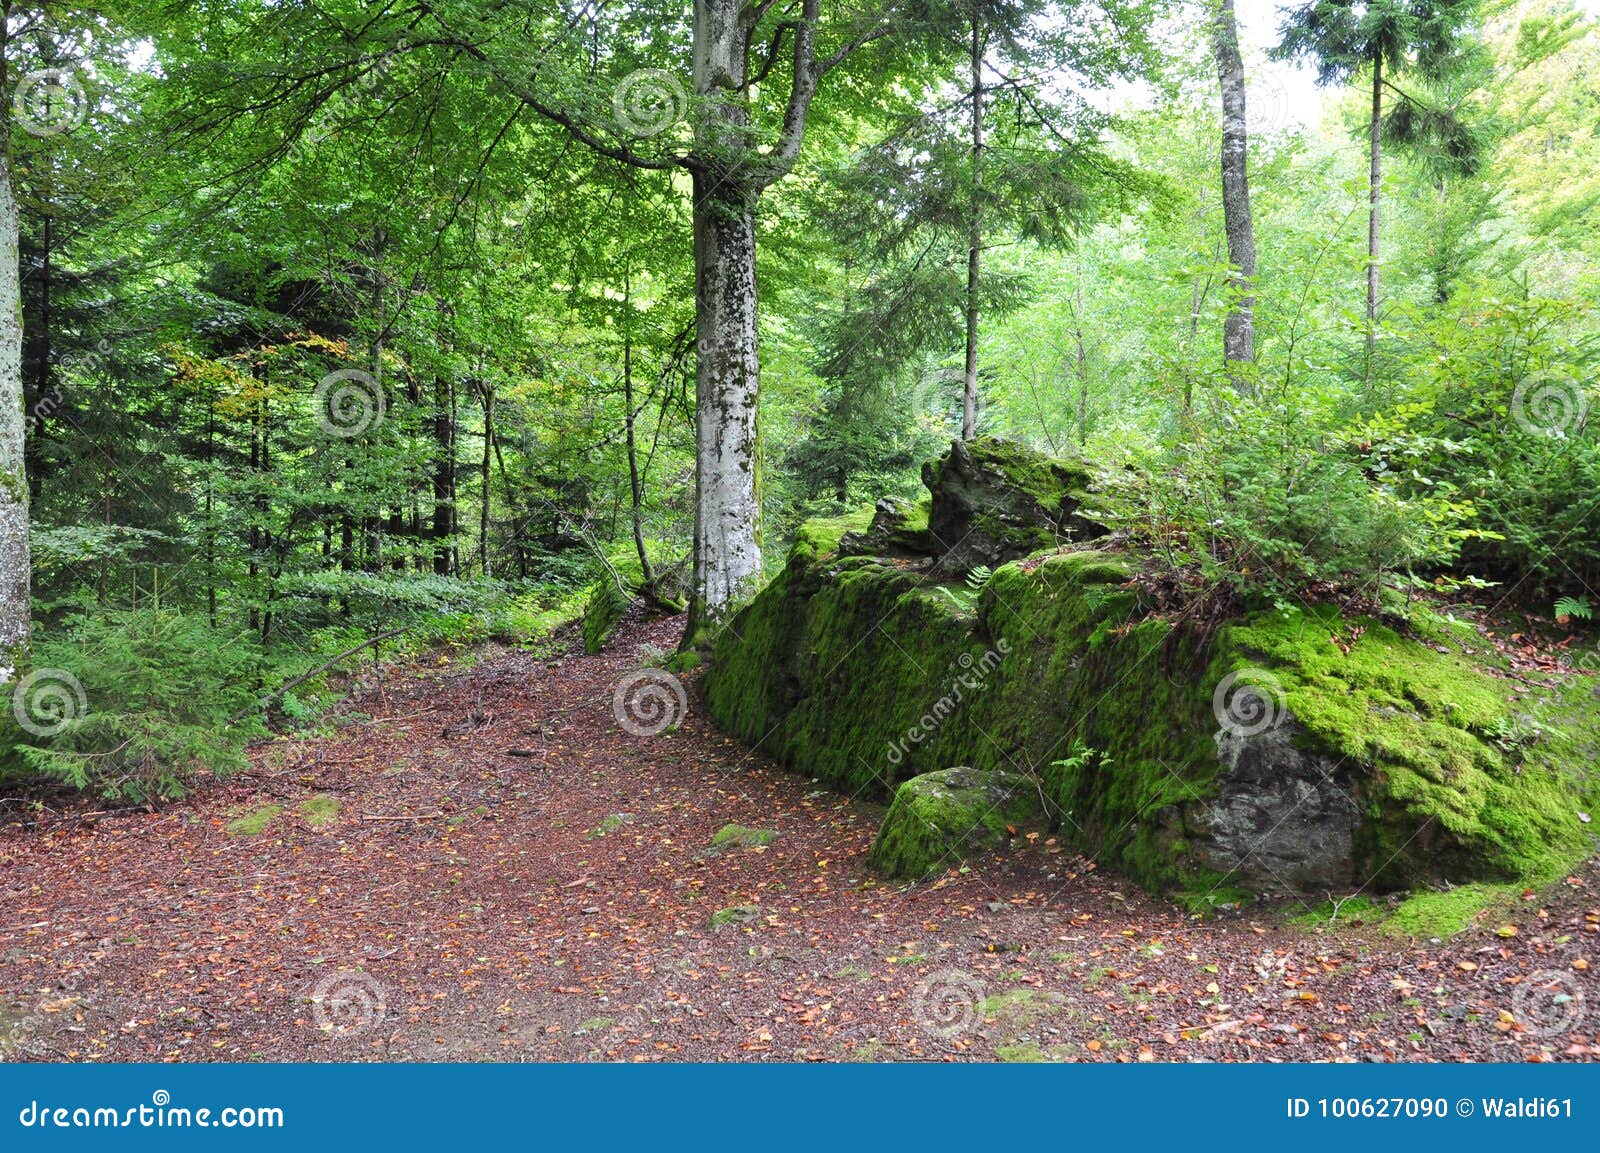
{"points": [[734, 915], [741, 837], [611, 823], [607, 605], [1428, 915], [1024, 1053], [682, 662], [320, 810], [1362, 910], [862, 675], [252, 822], [940, 819]]}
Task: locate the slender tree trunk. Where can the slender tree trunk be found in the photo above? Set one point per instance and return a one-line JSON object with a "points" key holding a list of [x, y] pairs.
{"points": [[444, 470], [969, 392], [15, 562], [635, 483], [727, 543], [1374, 202], [1238, 330], [483, 475]]}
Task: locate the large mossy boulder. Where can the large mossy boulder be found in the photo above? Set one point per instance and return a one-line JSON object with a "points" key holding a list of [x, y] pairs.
{"points": [[994, 501], [946, 817], [1291, 750]]}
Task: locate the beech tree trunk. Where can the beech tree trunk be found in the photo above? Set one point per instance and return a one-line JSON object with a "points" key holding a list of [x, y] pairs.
{"points": [[969, 391], [1374, 202], [1238, 331], [727, 520], [15, 564]]}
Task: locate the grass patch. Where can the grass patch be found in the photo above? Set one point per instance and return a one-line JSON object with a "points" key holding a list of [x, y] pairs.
{"points": [[252, 822], [742, 837], [1443, 915], [320, 810]]}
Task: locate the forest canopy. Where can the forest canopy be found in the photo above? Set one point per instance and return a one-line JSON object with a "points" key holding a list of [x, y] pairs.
{"points": [[354, 331]]}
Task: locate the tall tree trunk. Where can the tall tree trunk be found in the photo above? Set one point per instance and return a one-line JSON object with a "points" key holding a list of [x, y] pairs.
{"points": [[969, 391], [487, 390], [727, 544], [1374, 201], [1238, 330], [15, 563], [635, 482], [444, 474]]}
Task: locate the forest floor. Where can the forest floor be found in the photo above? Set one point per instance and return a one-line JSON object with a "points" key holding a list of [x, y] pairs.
{"points": [[406, 889]]}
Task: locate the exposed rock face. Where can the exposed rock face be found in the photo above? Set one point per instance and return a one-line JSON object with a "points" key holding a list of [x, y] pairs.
{"points": [[1283, 819], [994, 501], [898, 528], [940, 819]]}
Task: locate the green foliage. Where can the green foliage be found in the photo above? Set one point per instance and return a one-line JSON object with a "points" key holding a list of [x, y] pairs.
{"points": [[165, 700]]}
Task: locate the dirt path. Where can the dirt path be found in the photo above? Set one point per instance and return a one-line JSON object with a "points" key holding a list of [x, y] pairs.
{"points": [[468, 904]]}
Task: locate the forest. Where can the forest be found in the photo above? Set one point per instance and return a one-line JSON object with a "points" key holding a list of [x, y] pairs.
{"points": [[390, 388]]}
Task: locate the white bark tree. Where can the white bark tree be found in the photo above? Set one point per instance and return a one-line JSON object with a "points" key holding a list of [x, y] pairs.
{"points": [[15, 564]]}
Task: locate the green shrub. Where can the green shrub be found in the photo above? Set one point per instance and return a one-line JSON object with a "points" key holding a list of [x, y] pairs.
{"points": [[132, 705]]}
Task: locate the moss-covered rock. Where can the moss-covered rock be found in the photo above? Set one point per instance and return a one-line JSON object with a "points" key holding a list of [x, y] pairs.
{"points": [[1291, 751], [607, 606], [942, 818], [741, 837], [898, 528], [995, 501]]}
